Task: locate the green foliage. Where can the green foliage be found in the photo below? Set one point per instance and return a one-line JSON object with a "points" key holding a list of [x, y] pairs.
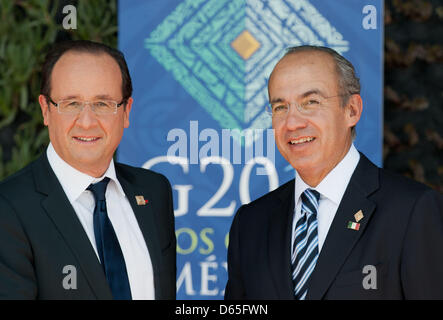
{"points": [[413, 113], [28, 29], [97, 21]]}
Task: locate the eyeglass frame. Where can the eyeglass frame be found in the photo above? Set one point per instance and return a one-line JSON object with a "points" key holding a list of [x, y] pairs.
{"points": [[298, 106], [84, 103]]}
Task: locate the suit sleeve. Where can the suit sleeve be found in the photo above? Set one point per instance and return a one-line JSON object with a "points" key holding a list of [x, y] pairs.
{"points": [[234, 287], [168, 252], [17, 277], [422, 255], [173, 246]]}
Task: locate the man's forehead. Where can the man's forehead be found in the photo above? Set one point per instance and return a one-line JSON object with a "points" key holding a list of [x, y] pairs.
{"points": [[307, 59], [83, 63], [310, 68], [81, 57]]}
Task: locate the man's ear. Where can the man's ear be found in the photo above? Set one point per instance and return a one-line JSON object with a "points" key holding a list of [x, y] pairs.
{"points": [[44, 106], [354, 108], [126, 111]]}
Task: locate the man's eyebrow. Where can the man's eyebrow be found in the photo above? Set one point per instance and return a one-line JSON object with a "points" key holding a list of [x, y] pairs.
{"points": [[71, 97], [99, 96], [104, 96], [303, 95], [276, 100], [312, 92]]}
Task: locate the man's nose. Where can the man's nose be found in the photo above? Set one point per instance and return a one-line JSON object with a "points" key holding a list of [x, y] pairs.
{"points": [[294, 119], [86, 118]]}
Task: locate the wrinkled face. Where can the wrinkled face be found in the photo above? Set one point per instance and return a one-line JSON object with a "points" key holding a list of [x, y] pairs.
{"points": [[86, 141], [313, 144]]}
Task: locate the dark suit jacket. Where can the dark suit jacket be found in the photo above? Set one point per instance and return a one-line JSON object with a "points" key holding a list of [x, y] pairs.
{"points": [[40, 234], [401, 234]]}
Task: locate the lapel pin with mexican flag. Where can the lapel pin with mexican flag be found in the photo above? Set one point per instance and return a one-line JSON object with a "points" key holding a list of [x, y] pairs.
{"points": [[353, 225]]}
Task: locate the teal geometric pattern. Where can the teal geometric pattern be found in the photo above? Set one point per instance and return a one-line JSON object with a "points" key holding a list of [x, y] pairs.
{"points": [[194, 44]]}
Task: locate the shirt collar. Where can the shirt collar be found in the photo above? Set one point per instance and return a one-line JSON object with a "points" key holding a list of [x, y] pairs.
{"points": [[332, 186], [74, 182]]}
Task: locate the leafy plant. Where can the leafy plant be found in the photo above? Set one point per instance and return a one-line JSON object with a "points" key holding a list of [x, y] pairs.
{"points": [[28, 29]]}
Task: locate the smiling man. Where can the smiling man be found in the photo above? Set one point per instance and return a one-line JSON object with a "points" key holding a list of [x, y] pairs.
{"points": [[74, 224], [343, 228]]}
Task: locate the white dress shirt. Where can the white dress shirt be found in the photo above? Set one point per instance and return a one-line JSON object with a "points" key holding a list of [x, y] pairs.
{"points": [[331, 190], [127, 230]]}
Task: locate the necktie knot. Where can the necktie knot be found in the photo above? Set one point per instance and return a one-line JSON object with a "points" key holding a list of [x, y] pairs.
{"points": [[98, 189], [310, 199]]}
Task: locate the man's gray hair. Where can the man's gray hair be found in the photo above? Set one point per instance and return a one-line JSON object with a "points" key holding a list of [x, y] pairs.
{"points": [[348, 82]]}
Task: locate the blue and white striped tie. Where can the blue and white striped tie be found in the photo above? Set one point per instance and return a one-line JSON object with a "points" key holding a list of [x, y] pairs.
{"points": [[305, 246]]}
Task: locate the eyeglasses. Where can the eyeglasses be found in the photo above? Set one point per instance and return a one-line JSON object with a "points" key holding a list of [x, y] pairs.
{"points": [[99, 107], [308, 106]]}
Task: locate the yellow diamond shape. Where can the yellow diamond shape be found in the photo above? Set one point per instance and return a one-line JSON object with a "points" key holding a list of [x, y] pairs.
{"points": [[245, 45], [358, 216]]}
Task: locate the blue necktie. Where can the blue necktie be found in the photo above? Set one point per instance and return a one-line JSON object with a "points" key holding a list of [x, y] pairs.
{"points": [[305, 247], [108, 248]]}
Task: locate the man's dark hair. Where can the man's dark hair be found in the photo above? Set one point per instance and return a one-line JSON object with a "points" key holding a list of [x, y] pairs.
{"points": [[84, 46]]}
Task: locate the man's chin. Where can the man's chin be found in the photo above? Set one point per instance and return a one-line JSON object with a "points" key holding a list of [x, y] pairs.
{"points": [[302, 163], [90, 164]]}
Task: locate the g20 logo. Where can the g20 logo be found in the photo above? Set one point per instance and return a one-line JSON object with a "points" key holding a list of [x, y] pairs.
{"points": [[210, 208]]}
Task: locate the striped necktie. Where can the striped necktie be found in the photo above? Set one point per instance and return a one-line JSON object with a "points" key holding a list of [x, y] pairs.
{"points": [[305, 246]]}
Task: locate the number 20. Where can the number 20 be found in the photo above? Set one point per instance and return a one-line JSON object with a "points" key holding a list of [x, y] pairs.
{"points": [[208, 208]]}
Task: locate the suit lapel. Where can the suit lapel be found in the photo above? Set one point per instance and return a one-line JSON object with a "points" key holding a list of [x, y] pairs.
{"points": [[60, 211], [279, 246], [146, 220], [340, 239]]}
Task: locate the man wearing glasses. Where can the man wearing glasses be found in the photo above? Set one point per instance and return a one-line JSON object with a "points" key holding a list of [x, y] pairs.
{"points": [[74, 224], [343, 228]]}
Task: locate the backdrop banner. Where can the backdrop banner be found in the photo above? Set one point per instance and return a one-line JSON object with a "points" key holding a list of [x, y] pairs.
{"points": [[200, 71]]}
